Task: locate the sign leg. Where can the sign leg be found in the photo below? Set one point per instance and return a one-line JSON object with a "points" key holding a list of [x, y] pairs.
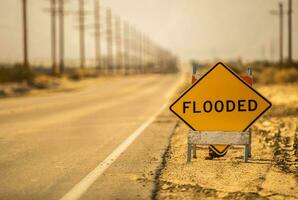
{"points": [[194, 150], [245, 153], [249, 145], [188, 152]]}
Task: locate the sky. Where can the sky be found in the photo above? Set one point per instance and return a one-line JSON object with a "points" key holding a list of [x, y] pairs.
{"points": [[191, 29]]}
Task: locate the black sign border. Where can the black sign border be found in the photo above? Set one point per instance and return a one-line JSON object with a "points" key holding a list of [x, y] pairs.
{"points": [[220, 63]]}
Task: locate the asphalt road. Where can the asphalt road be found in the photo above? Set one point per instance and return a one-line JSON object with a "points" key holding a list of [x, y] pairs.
{"points": [[50, 143]]}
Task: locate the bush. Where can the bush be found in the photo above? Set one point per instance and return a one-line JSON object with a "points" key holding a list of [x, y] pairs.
{"points": [[277, 75], [289, 75], [75, 75], [78, 74], [16, 73]]}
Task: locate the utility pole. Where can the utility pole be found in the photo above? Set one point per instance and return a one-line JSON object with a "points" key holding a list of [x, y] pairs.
{"points": [[118, 42], [281, 32], [82, 33], [82, 26], [25, 34], [141, 52], [272, 53], [280, 13], [138, 51], [126, 48], [53, 34], [144, 53], [97, 33], [109, 39], [290, 11], [61, 34], [133, 47]]}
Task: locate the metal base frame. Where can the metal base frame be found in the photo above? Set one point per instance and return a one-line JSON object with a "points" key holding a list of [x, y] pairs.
{"points": [[218, 137]]}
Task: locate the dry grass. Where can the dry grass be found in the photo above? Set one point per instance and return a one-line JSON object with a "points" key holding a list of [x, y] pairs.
{"points": [[16, 73], [78, 74], [271, 75]]}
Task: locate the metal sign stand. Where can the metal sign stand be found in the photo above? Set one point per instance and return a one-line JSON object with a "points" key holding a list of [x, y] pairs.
{"points": [[217, 137]]}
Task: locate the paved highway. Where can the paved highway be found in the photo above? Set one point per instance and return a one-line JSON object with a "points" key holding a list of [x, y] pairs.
{"points": [[53, 146]]}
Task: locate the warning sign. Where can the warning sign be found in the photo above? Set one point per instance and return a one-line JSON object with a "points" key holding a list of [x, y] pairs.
{"points": [[220, 101]]}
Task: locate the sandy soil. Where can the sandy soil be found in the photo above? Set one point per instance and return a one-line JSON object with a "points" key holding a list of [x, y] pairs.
{"points": [[271, 173]]}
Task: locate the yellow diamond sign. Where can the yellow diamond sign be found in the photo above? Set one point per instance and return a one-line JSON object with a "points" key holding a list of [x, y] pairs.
{"points": [[220, 101]]}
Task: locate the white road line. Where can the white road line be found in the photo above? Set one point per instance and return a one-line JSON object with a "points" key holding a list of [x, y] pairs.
{"points": [[80, 188]]}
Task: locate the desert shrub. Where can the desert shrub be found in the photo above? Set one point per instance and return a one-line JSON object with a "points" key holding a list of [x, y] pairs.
{"points": [[286, 75], [277, 75], [265, 76], [78, 74], [90, 73], [45, 81], [16, 73], [75, 74]]}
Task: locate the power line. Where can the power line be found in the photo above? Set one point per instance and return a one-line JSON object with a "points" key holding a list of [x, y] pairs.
{"points": [[135, 51]]}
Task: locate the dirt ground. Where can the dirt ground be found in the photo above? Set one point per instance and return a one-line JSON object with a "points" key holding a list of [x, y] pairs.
{"points": [[271, 173]]}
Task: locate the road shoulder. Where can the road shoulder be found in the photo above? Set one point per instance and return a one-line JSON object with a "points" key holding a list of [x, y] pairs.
{"points": [[271, 173], [133, 174]]}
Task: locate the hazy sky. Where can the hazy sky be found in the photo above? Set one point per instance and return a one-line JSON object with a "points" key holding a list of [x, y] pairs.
{"points": [[203, 29]]}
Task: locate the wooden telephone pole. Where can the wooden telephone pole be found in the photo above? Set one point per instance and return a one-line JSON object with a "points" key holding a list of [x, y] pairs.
{"points": [[290, 11], [109, 29], [126, 38], [53, 37], [118, 32], [61, 35], [82, 27], [25, 35], [280, 13], [55, 11], [97, 27], [133, 48], [140, 51], [82, 33]]}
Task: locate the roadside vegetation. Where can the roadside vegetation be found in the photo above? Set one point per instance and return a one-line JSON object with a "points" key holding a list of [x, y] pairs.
{"points": [[265, 72], [15, 73], [15, 79], [269, 73], [275, 74]]}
